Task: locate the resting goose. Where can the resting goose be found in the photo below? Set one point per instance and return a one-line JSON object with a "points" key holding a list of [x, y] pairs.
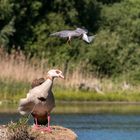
{"points": [[40, 100]]}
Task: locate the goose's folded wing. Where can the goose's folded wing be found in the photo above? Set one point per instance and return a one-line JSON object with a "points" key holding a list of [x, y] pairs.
{"points": [[25, 106]]}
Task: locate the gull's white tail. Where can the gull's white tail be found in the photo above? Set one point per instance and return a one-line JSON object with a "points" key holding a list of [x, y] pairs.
{"points": [[88, 39]]}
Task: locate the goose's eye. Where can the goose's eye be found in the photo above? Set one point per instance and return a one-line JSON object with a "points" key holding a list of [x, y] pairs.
{"points": [[57, 71]]}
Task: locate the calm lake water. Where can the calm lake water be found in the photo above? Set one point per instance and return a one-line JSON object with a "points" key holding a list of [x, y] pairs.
{"points": [[94, 122]]}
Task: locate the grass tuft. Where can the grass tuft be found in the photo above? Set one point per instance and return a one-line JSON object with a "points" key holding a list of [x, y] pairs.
{"points": [[19, 130]]}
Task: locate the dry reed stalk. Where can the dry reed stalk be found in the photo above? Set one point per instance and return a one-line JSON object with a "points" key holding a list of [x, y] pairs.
{"points": [[16, 66], [77, 78]]}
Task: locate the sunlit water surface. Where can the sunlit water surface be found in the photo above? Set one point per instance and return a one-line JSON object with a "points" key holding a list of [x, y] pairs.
{"points": [[104, 125]]}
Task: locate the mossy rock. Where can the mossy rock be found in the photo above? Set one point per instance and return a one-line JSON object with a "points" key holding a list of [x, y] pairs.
{"points": [[25, 132]]}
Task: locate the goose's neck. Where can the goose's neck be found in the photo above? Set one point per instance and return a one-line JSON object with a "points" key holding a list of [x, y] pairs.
{"points": [[49, 77], [48, 83], [46, 87]]}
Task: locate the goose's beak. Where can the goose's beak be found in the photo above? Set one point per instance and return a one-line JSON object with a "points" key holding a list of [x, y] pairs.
{"points": [[61, 76]]}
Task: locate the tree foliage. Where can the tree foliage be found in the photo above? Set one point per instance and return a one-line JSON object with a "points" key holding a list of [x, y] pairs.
{"points": [[6, 21], [115, 50], [122, 21]]}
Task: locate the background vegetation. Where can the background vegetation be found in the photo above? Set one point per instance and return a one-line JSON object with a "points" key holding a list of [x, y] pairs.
{"points": [[110, 64]]}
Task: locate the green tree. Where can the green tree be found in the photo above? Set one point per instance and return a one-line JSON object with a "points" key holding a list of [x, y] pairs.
{"points": [[116, 49], [6, 21]]}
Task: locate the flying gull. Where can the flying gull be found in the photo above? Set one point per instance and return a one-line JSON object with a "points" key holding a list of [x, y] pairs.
{"points": [[69, 34]]}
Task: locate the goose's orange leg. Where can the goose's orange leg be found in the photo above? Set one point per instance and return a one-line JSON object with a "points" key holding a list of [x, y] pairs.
{"points": [[48, 128]]}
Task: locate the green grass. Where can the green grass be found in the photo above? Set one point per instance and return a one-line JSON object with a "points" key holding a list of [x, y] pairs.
{"points": [[13, 91], [74, 95]]}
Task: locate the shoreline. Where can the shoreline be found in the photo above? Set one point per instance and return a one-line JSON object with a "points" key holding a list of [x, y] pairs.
{"points": [[79, 102], [99, 102], [94, 107]]}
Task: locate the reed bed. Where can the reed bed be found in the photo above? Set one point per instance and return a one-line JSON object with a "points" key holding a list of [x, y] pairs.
{"points": [[17, 67], [17, 72]]}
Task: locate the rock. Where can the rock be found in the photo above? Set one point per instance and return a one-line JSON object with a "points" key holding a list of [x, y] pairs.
{"points": [[3, 132], [58, 133]]}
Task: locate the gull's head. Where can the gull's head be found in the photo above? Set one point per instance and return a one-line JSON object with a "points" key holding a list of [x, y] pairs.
{"points": [[55, 73], [81, 31]]}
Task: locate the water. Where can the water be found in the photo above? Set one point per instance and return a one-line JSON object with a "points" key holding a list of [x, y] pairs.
{"points": [[93, 126], [90, 121]]}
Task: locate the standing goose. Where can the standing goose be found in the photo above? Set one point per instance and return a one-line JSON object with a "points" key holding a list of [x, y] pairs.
{"points": [[40, 101]]}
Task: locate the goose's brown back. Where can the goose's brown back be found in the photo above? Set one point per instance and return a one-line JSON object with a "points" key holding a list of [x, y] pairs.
{"points": [[37, 82]]}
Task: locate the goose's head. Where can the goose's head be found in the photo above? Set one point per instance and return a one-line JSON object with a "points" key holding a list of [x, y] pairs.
{"points": [[55, 73]]}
